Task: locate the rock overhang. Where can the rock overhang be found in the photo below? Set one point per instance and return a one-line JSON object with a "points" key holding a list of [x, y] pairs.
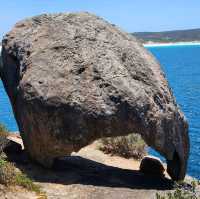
{"points": [[73, 78]]}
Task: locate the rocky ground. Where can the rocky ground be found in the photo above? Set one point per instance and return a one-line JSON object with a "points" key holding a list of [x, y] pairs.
{"points": [[89, 174], [16, 193]]}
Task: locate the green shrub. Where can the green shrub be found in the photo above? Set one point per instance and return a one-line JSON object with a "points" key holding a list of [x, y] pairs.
{"points": [[181, 193], [9, 176], [3, 137], [130, 146], [7, 172], [22, 180]]}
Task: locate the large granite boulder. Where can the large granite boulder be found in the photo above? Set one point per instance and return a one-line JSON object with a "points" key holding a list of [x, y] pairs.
{"points": [[74, 78]]}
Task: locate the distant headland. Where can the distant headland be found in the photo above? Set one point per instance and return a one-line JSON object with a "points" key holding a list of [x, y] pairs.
{"points": [[175, 37], [156, 44]]}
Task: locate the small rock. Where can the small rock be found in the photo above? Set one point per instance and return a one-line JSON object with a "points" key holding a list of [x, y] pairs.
{"points": [[12, 147], [13, 144], [152, 166]]}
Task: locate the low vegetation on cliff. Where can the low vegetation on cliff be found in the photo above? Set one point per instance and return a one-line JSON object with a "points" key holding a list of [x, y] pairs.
{"points": [[182, 192], [130, 146], [3, 135], [9, 175], [169, 36]]}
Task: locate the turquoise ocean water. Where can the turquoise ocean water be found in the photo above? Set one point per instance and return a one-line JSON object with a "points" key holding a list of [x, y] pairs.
{"points": [[182, 67]]}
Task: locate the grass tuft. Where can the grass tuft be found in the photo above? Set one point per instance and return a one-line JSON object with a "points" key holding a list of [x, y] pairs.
{"points": [[9, 176], [8, 173], [23, 181]]}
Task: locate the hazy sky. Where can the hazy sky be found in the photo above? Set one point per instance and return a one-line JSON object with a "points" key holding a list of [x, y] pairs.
{"points": [[130, 15]]}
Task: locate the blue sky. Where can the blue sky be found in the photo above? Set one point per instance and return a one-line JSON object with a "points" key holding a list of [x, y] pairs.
{"points": [[130, 15]]}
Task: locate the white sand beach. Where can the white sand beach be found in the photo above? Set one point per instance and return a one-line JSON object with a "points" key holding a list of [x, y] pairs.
{"points": [[151, 44]]}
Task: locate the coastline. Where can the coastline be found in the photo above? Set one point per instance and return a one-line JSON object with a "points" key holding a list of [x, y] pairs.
{"points": [[191, 43], [157, 44]]}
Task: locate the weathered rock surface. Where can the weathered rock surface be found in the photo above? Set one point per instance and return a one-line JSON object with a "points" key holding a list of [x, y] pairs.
{"points": [[73, 78], [152, 166], [16, 193]]}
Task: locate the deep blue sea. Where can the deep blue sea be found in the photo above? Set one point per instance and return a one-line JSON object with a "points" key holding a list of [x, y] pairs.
{"points": [[182, 67]]}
